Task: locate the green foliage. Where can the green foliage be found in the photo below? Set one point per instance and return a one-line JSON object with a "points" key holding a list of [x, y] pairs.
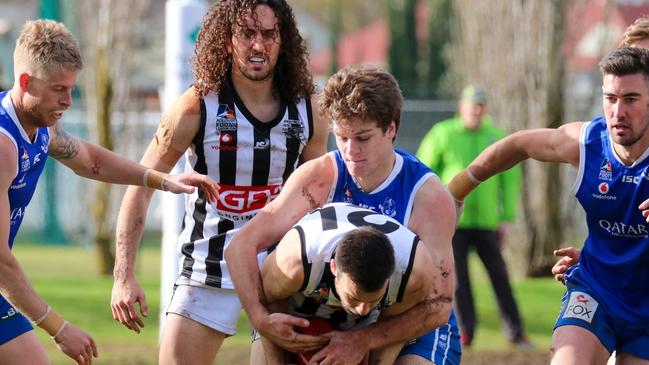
{"points": [[538, 299], [418, 66]]}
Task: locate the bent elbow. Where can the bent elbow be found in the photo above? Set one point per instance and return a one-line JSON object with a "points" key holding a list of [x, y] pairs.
{"points": [[440, 309]]}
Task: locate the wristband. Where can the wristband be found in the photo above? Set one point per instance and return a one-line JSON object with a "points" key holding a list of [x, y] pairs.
{"points": [[52, 323], [154, 179], [47, 312], [472, 177], [65, 323], [462, 184]]}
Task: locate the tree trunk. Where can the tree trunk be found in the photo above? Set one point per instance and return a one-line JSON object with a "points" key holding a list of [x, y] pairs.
{"points": [[512, 48], [101, 207], [108, 28]]}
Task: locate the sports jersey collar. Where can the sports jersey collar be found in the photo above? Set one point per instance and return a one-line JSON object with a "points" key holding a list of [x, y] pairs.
{"points": [[8, 105], [640, 159], [398, 163]]}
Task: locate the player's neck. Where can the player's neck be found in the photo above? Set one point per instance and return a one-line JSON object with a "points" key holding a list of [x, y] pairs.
{"points": [[630, 154], [24, 118], [258, 96], [372, 181], [253, 92]]}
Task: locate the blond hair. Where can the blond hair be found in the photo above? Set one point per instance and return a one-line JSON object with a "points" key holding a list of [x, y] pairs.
{"points": [[44, 46], [637, 31]]}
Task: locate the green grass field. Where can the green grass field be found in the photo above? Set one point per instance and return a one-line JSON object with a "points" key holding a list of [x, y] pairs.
{"points": [[67, 278]]}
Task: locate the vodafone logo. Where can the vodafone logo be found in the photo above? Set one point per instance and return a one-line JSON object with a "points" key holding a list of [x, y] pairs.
{"points": [[603, 188], [226, 138]]}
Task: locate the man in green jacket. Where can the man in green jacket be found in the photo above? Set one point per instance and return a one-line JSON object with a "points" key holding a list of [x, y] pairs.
{"points": [[448, 147]]}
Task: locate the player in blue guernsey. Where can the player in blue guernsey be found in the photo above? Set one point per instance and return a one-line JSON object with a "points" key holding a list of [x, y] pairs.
{"points": [[364, 104], [46, 63], [606, 305]]}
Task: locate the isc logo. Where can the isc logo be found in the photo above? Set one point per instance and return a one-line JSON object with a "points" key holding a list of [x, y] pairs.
{"points": [[243, 199], [631, 179]]}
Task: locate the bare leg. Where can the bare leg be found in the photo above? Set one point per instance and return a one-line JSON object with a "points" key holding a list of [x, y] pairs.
{"points": [[625, 358], [185, 341], [572, 345], [23, 350]]}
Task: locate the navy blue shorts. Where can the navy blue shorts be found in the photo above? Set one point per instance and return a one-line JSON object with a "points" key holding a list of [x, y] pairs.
{"points": [[12, 322], [580, 307], [441, 346]]}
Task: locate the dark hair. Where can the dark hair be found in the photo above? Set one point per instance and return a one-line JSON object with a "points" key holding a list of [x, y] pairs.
{"points": [[367, 256], [626, 61], [364, 92], [292, 78]]}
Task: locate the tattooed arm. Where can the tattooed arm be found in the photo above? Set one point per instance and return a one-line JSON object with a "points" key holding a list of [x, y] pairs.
{"points": [[92, 161], [97, 163], [306, 189]]}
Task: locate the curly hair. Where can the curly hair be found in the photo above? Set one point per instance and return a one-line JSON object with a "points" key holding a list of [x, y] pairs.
{"points": [[212, 62], [363, 92], [44, 44], [637, 31]]}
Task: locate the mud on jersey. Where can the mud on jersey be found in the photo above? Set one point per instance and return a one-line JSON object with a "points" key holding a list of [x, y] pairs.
{"points": [[250, 160], [320, 232]]}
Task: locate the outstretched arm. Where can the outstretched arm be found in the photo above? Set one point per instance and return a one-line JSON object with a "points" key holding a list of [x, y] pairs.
{"points": [[306, 189], [14, 285], [548, 145], [97, 163]]}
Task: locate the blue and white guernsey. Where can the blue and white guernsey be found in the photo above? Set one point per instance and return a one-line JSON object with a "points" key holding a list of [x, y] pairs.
{"points": [[394, 197], [31, 160], [615, 258]]}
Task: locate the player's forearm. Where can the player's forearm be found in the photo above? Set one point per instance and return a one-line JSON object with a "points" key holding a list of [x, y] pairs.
{"points": [[244, 270], [496, 158], [417, 321], [15, 287], [129, 231], [97, 163]]}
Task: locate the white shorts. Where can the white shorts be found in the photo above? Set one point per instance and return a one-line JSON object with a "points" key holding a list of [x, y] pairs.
{"points": [[215, 308]]}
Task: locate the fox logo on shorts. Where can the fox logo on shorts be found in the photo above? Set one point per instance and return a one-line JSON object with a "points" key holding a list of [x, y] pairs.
{"points": [[581, 306]]}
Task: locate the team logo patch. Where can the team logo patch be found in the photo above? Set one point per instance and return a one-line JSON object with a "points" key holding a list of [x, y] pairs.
{"points": [[606, 170], [226, 120], [388, 207], [581, 306], [45, 142], [24, 160], [293, 129], [320, 295]]}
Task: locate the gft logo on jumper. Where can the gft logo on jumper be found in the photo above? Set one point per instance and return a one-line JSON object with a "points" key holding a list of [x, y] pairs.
{"points": [[606, 170]]}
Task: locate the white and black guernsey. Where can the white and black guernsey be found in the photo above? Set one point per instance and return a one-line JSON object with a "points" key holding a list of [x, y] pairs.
{"points": [[250, 160], [320, 232]]}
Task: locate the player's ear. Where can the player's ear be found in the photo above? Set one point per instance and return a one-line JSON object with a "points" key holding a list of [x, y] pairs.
{"points": [[24, 80], [332, 266]]}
